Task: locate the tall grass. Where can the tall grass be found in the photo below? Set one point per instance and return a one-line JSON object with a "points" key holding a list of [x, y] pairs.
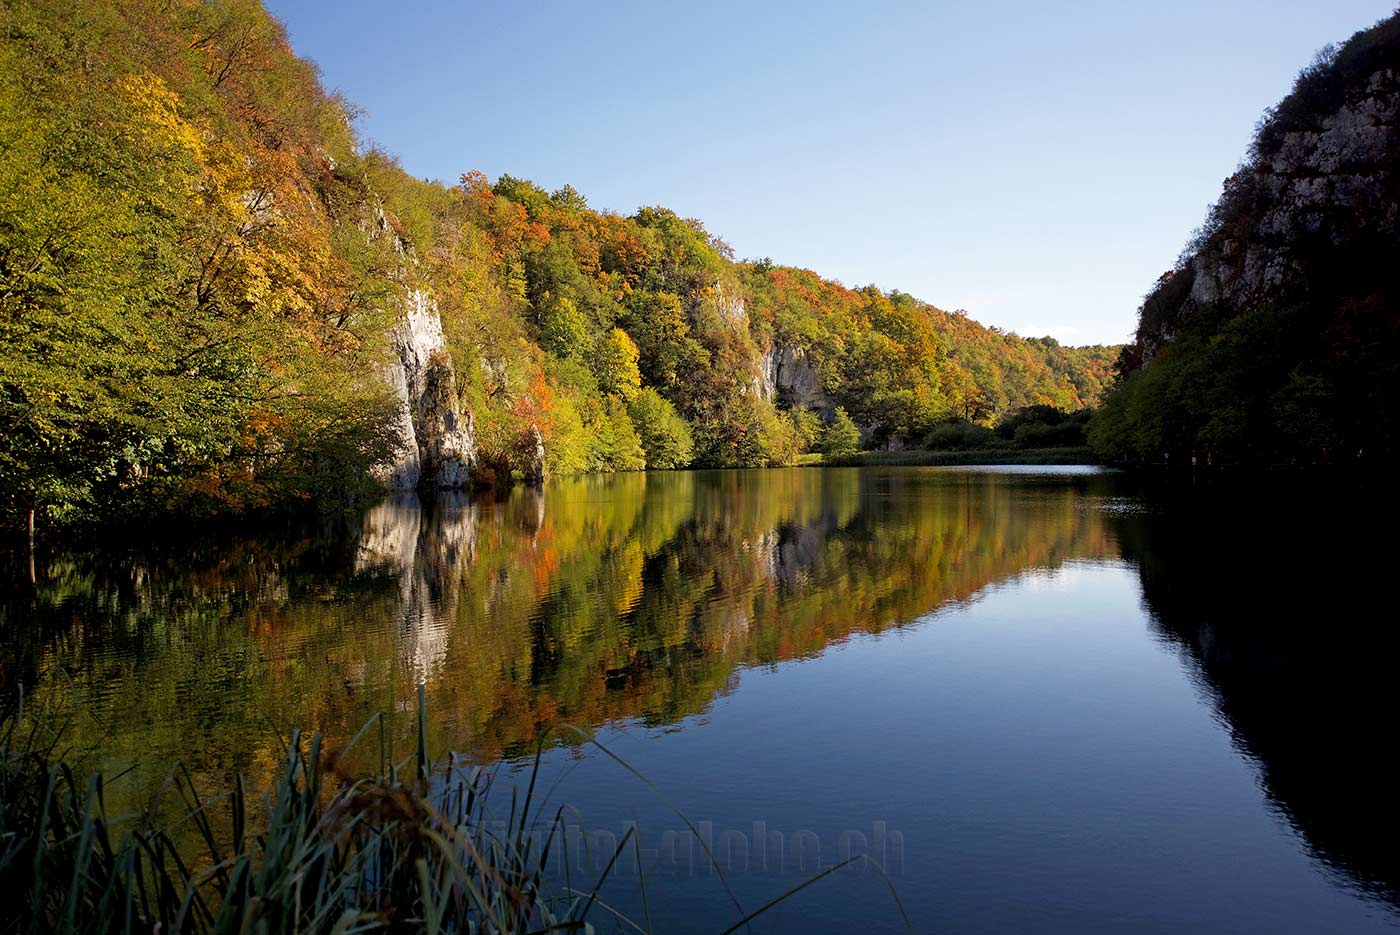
{"points": [[408, 848], [412, 847]]}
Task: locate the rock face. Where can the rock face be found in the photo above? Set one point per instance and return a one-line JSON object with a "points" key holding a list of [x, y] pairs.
{"points": [[534, 469], [780, 374], [787, 375], [1319, 195], [729, 304], [731, 307], [1322, 181], [437, 448]]}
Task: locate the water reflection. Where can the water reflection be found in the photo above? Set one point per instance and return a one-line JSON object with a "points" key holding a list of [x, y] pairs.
{"points": [[632, 596], [424, 548], [639, 598]]}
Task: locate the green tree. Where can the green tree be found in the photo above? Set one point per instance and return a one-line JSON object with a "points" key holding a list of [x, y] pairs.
{"points": [[809, 427], [94, 377], [665, 436], [564, 329], [616, 446], [658, 324], [615, 363], [840, 437]]}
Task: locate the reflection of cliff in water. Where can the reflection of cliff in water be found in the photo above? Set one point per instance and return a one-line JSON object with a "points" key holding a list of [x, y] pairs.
{"points": [[599, 598], [424, 547], [1281, 598]]}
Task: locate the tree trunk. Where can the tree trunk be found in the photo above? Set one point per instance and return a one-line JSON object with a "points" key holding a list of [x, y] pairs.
{"points": [[30, 524]]}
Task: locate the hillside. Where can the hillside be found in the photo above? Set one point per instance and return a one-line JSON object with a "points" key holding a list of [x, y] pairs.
{"points": [[216, 299], [1276, 337], [608, 312]]}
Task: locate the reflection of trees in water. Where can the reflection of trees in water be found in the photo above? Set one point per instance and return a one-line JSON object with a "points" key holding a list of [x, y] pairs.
{"points": [[601, 598], [1280, 597], [642, 596], [652, 616]]}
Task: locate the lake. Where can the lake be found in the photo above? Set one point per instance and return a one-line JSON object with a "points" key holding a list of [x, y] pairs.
{"points": [[1051, 700]]}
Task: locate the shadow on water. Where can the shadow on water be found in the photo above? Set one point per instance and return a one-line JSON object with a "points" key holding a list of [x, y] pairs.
{"points": [[1282, 596]]}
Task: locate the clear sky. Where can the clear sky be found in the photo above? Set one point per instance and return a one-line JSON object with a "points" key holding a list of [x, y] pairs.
{"points": [[1038, 164]]}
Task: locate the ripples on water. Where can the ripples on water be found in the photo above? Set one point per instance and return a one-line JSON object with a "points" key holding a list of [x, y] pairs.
{"points": [[1083, 705]]}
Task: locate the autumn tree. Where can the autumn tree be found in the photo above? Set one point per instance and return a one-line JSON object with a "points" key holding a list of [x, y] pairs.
{"points": [[615, 363]]}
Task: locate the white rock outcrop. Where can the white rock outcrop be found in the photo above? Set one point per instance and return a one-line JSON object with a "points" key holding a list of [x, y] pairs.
{"points": [[786, 374], [437, 447]]}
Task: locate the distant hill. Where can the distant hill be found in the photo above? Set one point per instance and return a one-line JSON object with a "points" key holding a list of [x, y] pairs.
{"points": [[1276, 337]]}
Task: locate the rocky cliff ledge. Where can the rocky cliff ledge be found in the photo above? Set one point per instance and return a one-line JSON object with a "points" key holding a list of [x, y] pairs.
{"points": [[1274, 339], [437, 448], [786, 374], [1314, 212]]}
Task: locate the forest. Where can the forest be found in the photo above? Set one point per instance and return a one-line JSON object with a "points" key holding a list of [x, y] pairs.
{"points": [[202, 267]]}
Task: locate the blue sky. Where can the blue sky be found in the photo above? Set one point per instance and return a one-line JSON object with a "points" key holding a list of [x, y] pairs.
{"points": [[1036, 164]]}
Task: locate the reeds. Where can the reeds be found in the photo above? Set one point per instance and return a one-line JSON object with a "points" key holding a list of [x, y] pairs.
{"points": [[412, 847]]}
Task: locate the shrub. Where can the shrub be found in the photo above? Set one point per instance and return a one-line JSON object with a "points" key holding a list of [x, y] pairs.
{"points": [[960, 435], [1040, 435], [616, 446], [840, 436]]}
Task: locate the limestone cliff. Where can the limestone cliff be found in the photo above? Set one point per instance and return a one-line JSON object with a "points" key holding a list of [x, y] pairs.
{"points": [[780, 374], [1313, 208], [1276, 336], [437, 449], [437, 438], [788, 376]]}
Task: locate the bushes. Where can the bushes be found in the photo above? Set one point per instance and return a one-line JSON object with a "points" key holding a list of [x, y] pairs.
{"points": [[1039, 435], [1045, 427], [665, 436], [959, 435], [616, 445], [914, 457], [809, 427], [771, 439], [1034, 427]]}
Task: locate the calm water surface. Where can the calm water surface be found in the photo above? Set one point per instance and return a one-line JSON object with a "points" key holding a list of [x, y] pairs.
{"points": [[1046, 700]]}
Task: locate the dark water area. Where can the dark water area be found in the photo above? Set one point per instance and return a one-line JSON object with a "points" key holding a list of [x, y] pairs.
{"points": [[1053, 700]]}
